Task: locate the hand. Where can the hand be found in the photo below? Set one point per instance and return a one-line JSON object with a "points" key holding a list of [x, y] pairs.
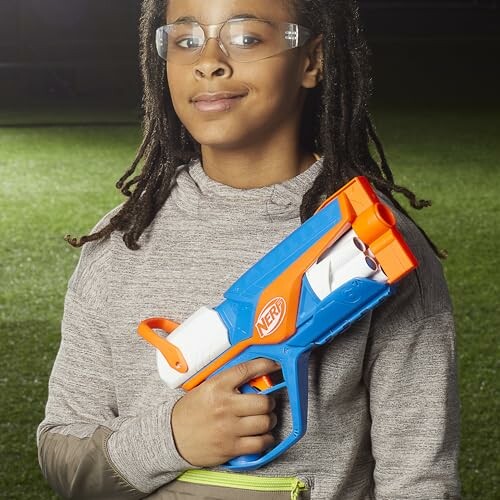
{"points": [[214, 422]]}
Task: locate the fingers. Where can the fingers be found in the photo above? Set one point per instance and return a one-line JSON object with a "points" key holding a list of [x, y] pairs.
{"points": [[257, 425], [254, 444], [238, 375], [245, 405]]}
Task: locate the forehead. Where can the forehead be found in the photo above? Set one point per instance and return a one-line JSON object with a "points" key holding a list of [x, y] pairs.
{"points": [[216, 11]]}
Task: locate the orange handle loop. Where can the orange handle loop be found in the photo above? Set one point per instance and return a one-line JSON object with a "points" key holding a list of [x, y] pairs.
{"points": [[171, 353]]}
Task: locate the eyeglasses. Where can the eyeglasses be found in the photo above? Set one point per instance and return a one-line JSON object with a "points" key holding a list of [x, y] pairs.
{"points": [[242, 40]]}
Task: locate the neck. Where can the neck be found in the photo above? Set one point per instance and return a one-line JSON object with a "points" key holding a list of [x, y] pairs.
{"points": [[272, 162]]}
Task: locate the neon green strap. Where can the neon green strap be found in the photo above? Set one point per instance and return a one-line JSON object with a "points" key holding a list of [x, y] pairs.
{"points": [[244, 482]]}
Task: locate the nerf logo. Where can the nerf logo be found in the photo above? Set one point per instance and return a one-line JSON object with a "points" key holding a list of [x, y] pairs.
{"points": [[271, 317]]}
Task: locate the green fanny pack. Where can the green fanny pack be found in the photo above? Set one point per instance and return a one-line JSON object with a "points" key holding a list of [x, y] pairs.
{"points": [[244, 482]]}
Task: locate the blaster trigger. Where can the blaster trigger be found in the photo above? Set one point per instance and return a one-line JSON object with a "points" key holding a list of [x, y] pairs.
{"points": [[261, 383]]}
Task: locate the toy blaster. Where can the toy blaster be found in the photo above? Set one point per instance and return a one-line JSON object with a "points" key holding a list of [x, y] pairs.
{"points": [[333, 269]]}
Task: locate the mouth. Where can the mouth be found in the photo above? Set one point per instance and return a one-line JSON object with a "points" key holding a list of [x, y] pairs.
{"points": [[217, 102]]}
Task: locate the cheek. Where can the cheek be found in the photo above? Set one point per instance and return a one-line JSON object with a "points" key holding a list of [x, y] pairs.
{"points": [[276, 86], [176, 86]]}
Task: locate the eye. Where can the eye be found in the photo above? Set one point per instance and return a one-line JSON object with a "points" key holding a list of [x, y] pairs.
{"points": [[246, 41], [189, 43]]}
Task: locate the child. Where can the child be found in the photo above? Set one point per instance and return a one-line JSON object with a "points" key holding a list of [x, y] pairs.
{"points": [[258, 114]]}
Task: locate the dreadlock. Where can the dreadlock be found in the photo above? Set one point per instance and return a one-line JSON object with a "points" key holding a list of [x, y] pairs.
{"points": [[336, 123]]}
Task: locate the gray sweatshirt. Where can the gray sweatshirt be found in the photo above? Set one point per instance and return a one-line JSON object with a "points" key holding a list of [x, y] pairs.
{"points": [[383, 405]]}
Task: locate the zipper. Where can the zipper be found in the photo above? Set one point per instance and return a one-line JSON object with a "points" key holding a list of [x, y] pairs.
{"points": [[245, 482]]}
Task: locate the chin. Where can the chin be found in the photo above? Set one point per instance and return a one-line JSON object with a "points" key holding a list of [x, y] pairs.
{"points": [[214, 135], [220, 143]]}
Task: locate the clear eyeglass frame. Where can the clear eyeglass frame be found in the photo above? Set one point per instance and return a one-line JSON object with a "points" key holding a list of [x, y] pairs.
{"points": [[290, 36]]}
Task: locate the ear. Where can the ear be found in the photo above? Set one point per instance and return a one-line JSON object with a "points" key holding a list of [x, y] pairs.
{"points": [[313, 66]]}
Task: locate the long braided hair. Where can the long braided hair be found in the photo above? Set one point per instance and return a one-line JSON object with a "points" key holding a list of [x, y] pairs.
{"points": [[335, 123]]}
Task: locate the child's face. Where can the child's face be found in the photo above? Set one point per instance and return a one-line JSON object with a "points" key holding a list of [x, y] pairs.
{"points": [[273, 89]]}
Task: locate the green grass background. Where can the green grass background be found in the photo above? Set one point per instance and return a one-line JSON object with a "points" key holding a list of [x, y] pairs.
{"points": [[59, 180]]}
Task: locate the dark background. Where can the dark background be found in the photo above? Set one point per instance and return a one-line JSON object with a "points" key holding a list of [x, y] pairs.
{"points": [[75, 49]]}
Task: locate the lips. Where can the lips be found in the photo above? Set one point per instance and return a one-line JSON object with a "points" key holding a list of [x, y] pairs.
{"points": [[217, 101], [217, 96]]}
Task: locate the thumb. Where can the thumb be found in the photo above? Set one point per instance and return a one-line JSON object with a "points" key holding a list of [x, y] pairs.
{"points": [[240, 374]]}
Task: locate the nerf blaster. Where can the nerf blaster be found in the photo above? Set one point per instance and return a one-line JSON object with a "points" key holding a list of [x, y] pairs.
{"points": [[333, 269]]}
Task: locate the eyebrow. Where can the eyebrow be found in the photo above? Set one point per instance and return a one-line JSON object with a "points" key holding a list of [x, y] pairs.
{"points": [[193, 19]]}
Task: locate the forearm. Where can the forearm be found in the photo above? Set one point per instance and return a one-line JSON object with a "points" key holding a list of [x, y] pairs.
{"points": [[80, 467], [121, 458], [88, 447]]}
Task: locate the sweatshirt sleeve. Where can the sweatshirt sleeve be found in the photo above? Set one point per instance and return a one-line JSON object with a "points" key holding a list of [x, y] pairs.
{"points": [[86, 449], [410, 371]]}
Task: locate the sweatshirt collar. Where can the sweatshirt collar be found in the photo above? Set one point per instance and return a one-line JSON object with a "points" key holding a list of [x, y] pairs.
{"points": [[197, 193]]}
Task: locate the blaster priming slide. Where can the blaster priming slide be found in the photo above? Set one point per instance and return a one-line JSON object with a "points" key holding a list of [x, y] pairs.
{"points": [[341, 263]]}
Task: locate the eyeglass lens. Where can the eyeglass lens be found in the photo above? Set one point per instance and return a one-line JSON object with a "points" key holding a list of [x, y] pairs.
{"points": [[243, 40]]}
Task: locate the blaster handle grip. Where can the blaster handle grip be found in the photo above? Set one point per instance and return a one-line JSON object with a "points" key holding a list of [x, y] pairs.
{"points": [[295, 363], [253, 387]]}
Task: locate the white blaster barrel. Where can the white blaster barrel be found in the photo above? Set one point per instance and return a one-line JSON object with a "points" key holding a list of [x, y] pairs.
{"points": [[201, 338], [344, 261], [320, 275], [362, 266]]}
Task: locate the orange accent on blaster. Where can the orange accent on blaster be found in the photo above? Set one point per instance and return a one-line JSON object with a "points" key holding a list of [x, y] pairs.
{"points": [[216, 364], [171, 352], [288, 284], [374, 225], [262, 383]]}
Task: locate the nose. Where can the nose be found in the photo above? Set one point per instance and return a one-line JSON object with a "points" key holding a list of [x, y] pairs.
{"points": [[212, 62]]}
